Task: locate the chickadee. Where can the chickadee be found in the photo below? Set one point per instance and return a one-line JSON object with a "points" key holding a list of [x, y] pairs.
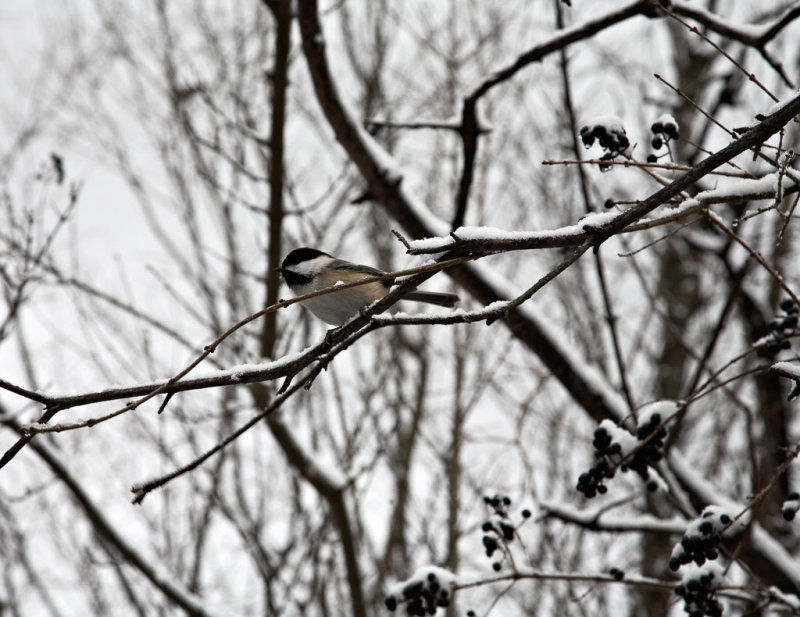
{"points": [[306, 270]]}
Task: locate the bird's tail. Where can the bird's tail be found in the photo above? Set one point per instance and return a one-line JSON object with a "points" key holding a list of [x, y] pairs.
{"points": [[432, 297]]}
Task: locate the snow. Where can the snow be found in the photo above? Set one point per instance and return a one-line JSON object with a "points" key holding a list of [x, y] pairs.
{"points": [[598, 220], [787, 369], [665, 119], [428, 578], [493, 233], [792, 502], [562, 236], [692, 572], [775, 108], [733, 189], [789, 599], [664, 408], [247, 372], [619, 435], [432, 243], [612, 124], [737, 187]]}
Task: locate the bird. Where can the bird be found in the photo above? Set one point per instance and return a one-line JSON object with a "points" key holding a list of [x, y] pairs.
{"points": [[307, 269]]}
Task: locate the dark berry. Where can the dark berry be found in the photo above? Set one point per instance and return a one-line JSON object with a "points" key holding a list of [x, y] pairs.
{"points": [[507, 501], [609, 203], [706, 527], [470, 613], [586, 136], [487, 526], [526, 513], [656, 127], [412, 589], [793, 496], [789, 514], [680, 590], [652, 486], [774, 348], [724, 519], [671, 130], [496, 566], [674, 564], [390, 602], [652, 158], [656, 142], [602, 489], [787, 305]]}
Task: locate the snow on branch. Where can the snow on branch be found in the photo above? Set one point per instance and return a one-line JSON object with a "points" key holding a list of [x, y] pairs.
{"points": [[790, 370]]}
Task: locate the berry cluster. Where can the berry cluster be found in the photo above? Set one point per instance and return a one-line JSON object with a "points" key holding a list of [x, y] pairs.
{"points": [[651, 435], [664, 130], [616, 447], [790, 506], [610, 134], [701, 539], [697, 590], [498, 529], [427, 590], [617, 574], [782, 327]]}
